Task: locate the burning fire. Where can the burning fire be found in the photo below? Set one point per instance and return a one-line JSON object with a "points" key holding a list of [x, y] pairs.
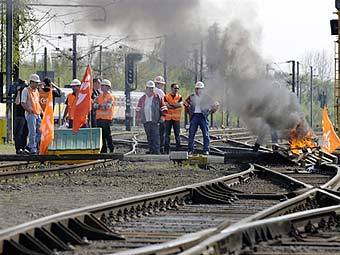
{"points": [[299, 141]]}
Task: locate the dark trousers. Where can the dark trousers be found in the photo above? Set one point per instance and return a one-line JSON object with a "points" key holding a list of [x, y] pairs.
{"points": [[93, 118], [70, 124], [161, 135], [168, 125], [199, 120], [152, 135], [106, 135], [20, 132]]}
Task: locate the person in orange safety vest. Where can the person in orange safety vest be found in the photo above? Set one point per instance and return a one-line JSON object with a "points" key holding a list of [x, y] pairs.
{"points": [[104, 105], [173, 101], [31, 103], [71, 103]]}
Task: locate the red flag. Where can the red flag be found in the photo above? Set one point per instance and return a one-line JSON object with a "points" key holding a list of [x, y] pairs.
{"points": [[47, 126], [330, 139], [83, 103]]}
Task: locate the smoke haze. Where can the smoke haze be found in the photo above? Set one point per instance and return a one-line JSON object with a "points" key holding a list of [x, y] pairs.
{"points": [[236, 70], [240, 73]]}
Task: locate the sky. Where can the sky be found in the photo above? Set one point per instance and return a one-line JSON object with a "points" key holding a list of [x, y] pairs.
{"points": [[288, 29], [291, 27]]}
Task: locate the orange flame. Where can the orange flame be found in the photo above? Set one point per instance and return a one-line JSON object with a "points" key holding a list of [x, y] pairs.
{"points": [[298, 142]]}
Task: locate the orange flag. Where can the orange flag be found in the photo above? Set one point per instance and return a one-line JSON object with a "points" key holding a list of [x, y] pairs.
{"points": [[47, 126], [330, 140], [83, 104]]}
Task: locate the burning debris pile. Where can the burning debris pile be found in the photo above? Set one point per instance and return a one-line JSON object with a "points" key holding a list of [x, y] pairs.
{"points": [[301, 139]]}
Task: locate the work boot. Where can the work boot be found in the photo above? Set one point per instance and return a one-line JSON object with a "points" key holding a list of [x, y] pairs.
{"points": [[20, 152]]}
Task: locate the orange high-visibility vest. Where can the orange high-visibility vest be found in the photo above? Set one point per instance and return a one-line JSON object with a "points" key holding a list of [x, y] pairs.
{"points": [[33, 101], [71, 104], [43, 98], [105, 114], [173, 114]]}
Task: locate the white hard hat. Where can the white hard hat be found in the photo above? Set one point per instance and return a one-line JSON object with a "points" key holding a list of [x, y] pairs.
{"points": [[106, 82], [159, 79], [35, 78], [75, 82], [150, 84], [199, 85]]}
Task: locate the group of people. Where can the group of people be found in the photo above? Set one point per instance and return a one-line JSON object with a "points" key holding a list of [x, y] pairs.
{"points": [[29, 107], [160, 112], [102, 112]]}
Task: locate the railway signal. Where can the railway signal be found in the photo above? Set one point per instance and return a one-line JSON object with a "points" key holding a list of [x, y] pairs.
{"points": [[335, 30], [130, 80]]}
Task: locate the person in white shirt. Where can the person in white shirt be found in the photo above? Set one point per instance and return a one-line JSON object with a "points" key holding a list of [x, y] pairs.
{"points": [[199, 106], [159, 90], [149, 110]]}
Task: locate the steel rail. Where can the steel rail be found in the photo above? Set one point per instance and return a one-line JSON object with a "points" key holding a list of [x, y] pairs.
{"points": [[5, 176], [237, 237], [75, 224], [311, 199], [334, 183], [89, 221]]}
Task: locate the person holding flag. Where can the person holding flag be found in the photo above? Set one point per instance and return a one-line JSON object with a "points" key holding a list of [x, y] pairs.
{"points": [[47, 125], [71, 103], [83, 101]]}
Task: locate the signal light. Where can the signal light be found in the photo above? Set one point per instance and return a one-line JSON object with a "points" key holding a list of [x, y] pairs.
{"points": [[130, 70], [130, 60], [337, 4], [334, 26]]}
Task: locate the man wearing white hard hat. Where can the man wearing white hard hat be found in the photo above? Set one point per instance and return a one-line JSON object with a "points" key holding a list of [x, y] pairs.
{"points": [[199, 105], [149, 110], [104, 106], [31, 103], [159, 90], [71, 102]]}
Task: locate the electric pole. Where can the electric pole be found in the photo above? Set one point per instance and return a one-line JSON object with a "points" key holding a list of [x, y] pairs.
{"points": [[196, 64], [2, 37], [45, 62], [74, 51], [297, 78], [293, 75], [165, 62], [16, 50], [9, 65], [100, 60], [201, 62], [311, 98]]}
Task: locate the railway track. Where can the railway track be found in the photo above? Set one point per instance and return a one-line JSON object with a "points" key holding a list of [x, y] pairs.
{"points": [[314, 231], [177, 221], [16, 171], [324, 176], [162, 216]]}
